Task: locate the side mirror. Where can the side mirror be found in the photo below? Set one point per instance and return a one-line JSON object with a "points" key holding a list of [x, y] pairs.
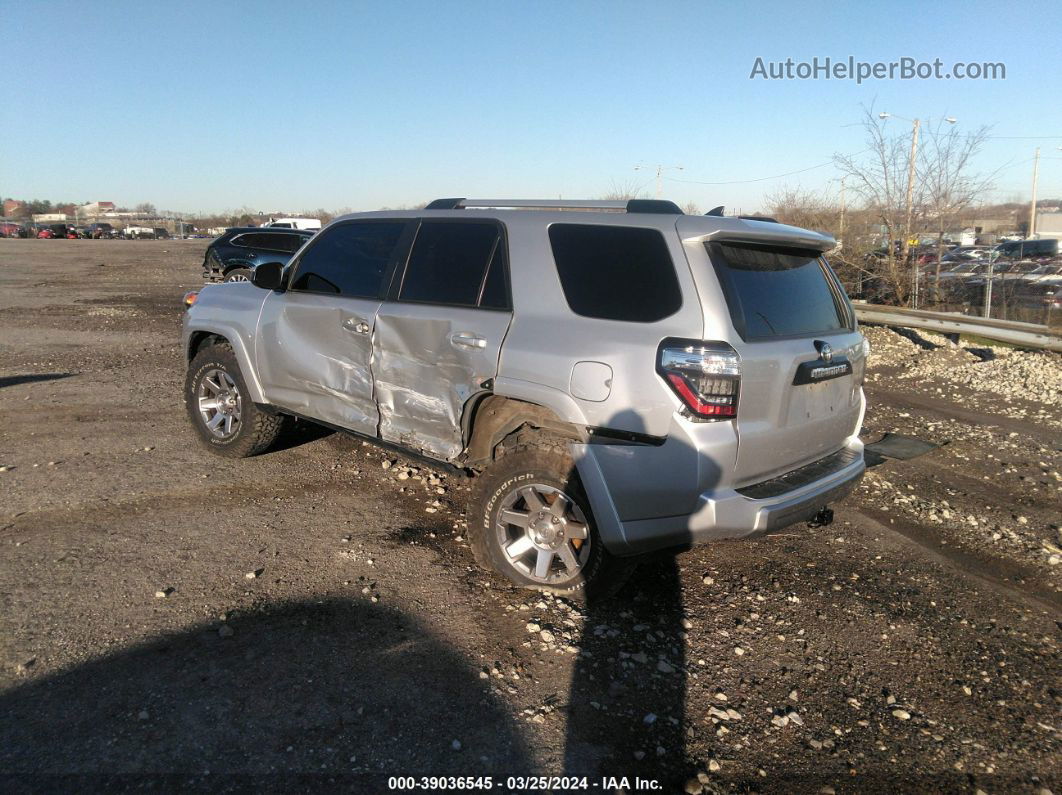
{"points": [[268, 276]]}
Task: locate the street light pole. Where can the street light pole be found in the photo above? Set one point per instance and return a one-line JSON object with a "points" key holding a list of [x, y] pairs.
{"points": [[906, 249], [840, 231], [1032, 205]]}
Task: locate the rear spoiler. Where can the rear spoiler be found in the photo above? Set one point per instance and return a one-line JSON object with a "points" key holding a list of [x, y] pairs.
{"points": [[742, 230]]}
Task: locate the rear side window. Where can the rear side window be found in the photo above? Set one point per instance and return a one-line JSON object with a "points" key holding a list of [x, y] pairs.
{"points": [[349, 259], [777, 292], [496, 287], [615, 272], [449, 264], [286, 243]]}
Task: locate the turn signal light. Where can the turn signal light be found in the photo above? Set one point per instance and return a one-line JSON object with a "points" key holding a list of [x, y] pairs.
{"points": [[190, 298]]}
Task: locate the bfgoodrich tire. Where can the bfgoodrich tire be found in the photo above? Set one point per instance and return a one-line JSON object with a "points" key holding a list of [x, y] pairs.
{"points": [[220, 409], [532, 523]]}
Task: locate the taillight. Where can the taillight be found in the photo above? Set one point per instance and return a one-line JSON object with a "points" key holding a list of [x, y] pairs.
{"points": [[190, 298], [705, 376]]}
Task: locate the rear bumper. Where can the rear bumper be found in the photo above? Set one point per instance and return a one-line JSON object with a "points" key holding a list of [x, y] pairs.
{"points": [[730, 513]]}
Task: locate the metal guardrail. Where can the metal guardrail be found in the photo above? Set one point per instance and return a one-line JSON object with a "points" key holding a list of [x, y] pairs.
{"points": [[1027, 335]]}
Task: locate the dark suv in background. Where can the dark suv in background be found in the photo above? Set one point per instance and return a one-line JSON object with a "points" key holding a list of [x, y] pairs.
{"points": [[234, 256], [1019, 249]]}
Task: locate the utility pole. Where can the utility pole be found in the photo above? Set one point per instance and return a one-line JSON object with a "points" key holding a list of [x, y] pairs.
{"points": [[910, 195], [659, 178], [1032, 206]]}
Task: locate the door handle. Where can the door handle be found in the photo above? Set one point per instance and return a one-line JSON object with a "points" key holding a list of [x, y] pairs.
{"points": [[466, 340], [355, 325]]}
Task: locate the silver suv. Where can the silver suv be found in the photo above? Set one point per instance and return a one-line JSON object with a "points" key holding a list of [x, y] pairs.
{"points": [[619, 376]]}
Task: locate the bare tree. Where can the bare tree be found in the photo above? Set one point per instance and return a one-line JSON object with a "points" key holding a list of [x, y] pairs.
{"points": [[880, 179], [804, 208], [950, 187], [625, 191], [691, 208], [822, 212]]}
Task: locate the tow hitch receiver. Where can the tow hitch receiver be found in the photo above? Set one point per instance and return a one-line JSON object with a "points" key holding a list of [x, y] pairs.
{"points": [[823, 518]]}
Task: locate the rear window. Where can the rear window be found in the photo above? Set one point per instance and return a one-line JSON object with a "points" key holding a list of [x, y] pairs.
{"points": [[777, 292], [615, 272]]}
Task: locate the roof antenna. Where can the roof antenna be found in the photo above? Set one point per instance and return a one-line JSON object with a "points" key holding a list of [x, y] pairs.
{"points": [[716, 211]]}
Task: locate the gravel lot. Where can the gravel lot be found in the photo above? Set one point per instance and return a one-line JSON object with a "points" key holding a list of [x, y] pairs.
{"points": [[312, 618]]}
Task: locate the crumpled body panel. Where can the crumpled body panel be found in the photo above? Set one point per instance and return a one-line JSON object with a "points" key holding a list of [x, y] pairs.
{"points": [[313, 361], [428, 361]]}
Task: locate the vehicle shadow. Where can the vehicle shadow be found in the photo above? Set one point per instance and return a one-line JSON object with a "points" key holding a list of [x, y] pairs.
{"points": [[296, 433], [31, 378], [302, 694], [627, 701]]}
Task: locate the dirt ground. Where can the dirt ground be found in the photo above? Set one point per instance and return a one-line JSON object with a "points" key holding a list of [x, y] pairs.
{"points": [[312, 618]]}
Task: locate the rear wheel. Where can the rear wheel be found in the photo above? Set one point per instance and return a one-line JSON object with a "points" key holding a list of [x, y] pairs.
{"points": [[533, 524], [238, 275], [220, 409]]}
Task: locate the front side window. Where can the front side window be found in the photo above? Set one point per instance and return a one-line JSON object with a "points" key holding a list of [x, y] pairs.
{"points": [[349, 259], [778, 292], [449, 263]]}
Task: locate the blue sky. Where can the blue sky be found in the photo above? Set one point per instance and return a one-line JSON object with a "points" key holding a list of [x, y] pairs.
{"points": [[281, 105]]}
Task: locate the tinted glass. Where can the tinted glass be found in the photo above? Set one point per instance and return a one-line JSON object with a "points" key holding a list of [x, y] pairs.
{"points": [[350, 259], [448, 263], [267, 242], [615, 272], [496, 287], [776, 292], [286, 243]]}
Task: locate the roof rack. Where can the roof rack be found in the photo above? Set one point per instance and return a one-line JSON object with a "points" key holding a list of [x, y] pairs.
{"points": [[659, 206]]}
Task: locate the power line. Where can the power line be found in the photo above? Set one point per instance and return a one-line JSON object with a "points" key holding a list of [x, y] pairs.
{"points": [[760, 179]]}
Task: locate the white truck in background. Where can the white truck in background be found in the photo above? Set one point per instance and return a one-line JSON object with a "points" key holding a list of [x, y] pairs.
{"points": [[296, 223]]}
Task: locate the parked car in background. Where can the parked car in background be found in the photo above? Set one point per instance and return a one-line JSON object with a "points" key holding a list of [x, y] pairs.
{"points": [[234, 256], [161, 234], [1020, 249], [99, 230], [965, 254], [51, 231], [139, 233], [1047, 272], [311, 224], [13, 229], [597, 368]]}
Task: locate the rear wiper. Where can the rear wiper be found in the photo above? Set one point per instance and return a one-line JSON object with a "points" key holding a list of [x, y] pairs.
{"points": [[768, 322]]}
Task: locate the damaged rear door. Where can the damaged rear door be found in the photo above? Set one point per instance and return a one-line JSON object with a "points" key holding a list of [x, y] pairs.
{"points": [[315, 349], [438, 338]]}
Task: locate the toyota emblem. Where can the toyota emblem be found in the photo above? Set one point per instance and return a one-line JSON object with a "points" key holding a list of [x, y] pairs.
{"points": [[826, 352]]}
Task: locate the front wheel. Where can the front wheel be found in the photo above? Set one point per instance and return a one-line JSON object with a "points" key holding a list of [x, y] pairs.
{"points": [[238, 275], [533, 524], [220, 408]]}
